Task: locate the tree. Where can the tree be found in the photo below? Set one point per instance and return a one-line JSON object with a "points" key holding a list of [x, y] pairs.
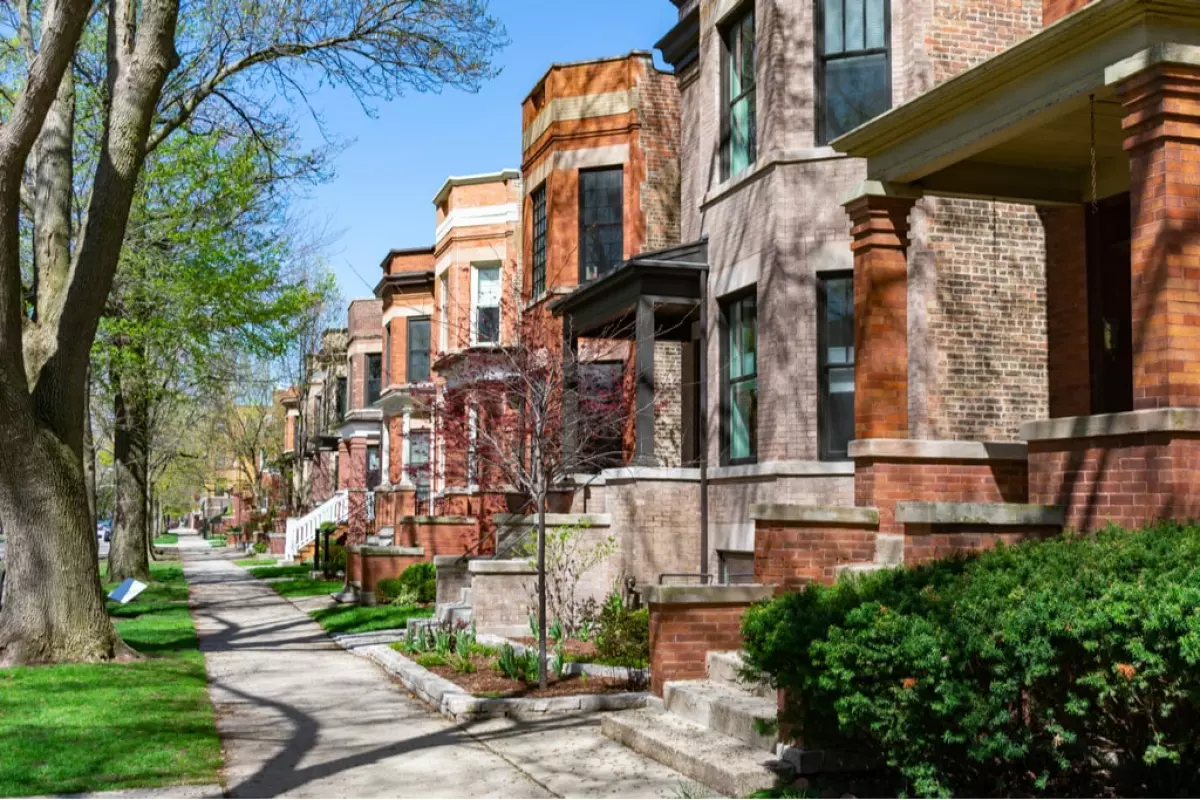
{"points": [[162, 75]]}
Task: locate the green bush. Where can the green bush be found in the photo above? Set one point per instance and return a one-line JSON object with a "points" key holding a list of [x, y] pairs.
{"points": [[622, 634], [422, 579], [335, 560], [394, 591], [260, 547], [1070, 666]]}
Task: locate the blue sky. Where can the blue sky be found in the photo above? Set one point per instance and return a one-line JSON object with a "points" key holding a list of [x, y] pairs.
{"points": [[381, 196]]}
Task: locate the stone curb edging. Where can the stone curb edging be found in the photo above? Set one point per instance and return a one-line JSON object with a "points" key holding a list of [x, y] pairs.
{"points": [[631, 674], [453, 702]]}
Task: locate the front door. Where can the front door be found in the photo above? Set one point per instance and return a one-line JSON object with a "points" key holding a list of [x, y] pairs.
{"points": [[1110, 333]]}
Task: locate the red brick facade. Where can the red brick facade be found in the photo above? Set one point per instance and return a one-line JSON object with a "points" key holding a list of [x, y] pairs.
{"points": [[929, 542], [791, 555], [681, 637]]}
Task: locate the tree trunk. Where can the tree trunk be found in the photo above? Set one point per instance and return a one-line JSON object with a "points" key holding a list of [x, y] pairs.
{"points": [[89, 452], [129, 556], [541, 569]]}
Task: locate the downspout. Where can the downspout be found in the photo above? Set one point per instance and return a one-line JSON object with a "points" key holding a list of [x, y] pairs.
{"points": [[702, 428]]}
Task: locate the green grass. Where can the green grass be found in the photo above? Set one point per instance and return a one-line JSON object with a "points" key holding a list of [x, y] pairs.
{"points": [[90, 727], [306, 587], [289, 571], [217, 541], [255, 562], [361, 619], [167, 538]]}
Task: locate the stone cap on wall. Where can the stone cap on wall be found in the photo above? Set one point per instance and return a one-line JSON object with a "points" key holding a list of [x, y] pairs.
{"points": [[783, 469], [724, 595], [424, 520], [979, 514], [508, 566], [590, 520], [937, 450], [832, 515], [378, 550], [620, 474], [1152, 420], [451, 562]]}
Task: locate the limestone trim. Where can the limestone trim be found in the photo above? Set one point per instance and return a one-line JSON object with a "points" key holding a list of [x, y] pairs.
{"points": [[472, 180], [585, 106], [1153, 420], [937, 450], [627, 474], [590, 520], [442, 562], [478, 216], [516, 566], [366, 344], [741, 594], [418, 519], [376, 550], [830, 515], [783, 469], [765, 164], [994, 514], [1160, 53], [424, 308], [578, 158], [361, 428]]}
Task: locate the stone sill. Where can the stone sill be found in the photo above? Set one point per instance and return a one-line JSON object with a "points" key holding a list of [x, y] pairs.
{"points": [[828, 515], [765, 164], [992, 514], [514, 566], [937, 450], [586, 520], [377, 550], [1153, 420], [740, 594], [417, 519], [783, 469], [627, 474]]}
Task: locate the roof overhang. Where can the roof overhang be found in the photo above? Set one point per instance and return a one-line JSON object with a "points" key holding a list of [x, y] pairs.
{"points": [[1018, 126], [473, 180], [670, 280], [404, 280]]}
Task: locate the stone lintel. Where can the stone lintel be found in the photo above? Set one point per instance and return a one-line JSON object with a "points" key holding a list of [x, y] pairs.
{"points": [[828, 515], [587, 520], [1158, 53], [1152, 420], [937, 450], [425, 520], [998, 514], [378, 550], [741, 594], [510, 566]]}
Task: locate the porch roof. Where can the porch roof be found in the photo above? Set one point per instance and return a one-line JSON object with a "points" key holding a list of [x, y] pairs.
{"points": [[1017, 127]]}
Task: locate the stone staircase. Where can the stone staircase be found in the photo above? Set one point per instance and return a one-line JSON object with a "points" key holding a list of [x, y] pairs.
{"points": [[719, 731]]}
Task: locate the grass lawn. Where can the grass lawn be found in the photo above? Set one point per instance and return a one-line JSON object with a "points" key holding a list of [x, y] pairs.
{"points": [[255, 562], [360, 619], [286, 571], [167, 538], [306, 587], [90, 727], [217, 541]]}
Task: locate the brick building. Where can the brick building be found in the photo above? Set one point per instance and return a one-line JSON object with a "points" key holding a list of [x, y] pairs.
{"points": [[325, 405], [360, 435]]}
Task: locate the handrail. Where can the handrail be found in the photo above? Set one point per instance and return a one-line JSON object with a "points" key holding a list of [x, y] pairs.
{"points": [[304, 530]]}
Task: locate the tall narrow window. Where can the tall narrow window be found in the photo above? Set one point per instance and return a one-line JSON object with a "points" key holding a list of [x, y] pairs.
{"points": [[418, 463], [739, 374], [853, 70], [374, 467], [340, 407], [538, 287], [374, 378], [835, 364], [444, 312], [601, 221], [418, 349], [485, 305], [739, 125], [387, 354]]}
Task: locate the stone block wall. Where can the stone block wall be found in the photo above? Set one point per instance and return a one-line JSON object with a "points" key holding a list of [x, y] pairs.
{"points": [[453, 575], [502, 596], [656, 522]]}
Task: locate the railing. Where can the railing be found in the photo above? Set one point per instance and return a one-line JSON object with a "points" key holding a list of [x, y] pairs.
{"points": [[304, 530]]}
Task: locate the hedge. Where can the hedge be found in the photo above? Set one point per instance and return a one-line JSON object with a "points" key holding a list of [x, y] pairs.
{"points": [[418, 583], [1069, 666]]}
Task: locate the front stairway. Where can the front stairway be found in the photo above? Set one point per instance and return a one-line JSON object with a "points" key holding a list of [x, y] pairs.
{"points": [[719, 731]]}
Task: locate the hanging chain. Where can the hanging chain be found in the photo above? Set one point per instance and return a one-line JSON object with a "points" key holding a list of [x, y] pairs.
{"points": [[1092, 148]]}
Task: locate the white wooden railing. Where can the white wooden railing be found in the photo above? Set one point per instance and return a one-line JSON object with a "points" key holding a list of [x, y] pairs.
{"points": [[304, 530]]}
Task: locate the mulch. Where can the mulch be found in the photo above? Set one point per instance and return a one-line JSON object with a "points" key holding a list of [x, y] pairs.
{"points": [[486, 681], [575, 649]]}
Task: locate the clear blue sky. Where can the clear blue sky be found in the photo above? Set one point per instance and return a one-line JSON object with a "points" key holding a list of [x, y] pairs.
{"points": [[381, 196]]}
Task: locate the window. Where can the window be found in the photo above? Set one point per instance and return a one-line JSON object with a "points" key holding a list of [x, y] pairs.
{"points": [[601, 221], [387, 354], [735, 566], [444, 312], [418, 349], [739, 376], [374, 471], [835, 364], [739, 127], [485, 311], [374, 377], [539, 242], [853, 69], [418, 463], [340, 408]]}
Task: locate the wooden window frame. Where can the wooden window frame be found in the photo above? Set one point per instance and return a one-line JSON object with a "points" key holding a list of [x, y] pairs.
{"points": [[820, 59]]}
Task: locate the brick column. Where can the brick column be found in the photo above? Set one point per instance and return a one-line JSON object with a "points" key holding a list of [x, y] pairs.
{"points": [[1162, 130], [880, 240]]}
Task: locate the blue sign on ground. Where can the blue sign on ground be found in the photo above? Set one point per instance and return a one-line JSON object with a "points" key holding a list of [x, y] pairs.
{"points": [[128, 590]]}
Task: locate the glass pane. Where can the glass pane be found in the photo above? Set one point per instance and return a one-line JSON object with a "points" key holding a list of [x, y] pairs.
{"points": [[749, 337], [601, 221], [741, 132], [875, 24], [488, 286], [856, 89], [833, 26], [743, 419], [488, 325], [841, 409], [747, 52], [854, 24], [735, 73], [839, 319], [418, 351]]}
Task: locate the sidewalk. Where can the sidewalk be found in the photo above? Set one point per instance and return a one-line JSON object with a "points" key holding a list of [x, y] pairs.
{"points": [[301, 717]]}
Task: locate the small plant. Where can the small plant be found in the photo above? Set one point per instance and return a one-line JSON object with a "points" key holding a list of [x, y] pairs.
{"points": [[508, 663], [534, 629], [461, 664], [442, 642], [464, 641], [623, 638], [260, 547], [532, 675], [428, 660], [559, 660], [585, 631], [555, 632]]}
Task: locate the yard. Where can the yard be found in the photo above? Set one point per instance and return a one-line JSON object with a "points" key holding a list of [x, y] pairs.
{"points": [[90, 727]]}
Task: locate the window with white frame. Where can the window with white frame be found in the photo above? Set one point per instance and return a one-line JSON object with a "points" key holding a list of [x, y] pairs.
{"points": [[485, 304], [444, 312]]}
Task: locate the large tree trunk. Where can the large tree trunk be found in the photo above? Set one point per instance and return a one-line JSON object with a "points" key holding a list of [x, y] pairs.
{"points": [[130, 553], [89, 452]]}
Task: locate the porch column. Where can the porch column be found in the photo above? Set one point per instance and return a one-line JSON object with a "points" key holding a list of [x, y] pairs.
{"points": [[879, 229], [644, 330], [1162, 130]]}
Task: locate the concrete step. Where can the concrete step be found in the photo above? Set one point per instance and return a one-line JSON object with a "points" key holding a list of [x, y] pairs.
{"points": [[724, 709], [726, 667], [719, 762]]}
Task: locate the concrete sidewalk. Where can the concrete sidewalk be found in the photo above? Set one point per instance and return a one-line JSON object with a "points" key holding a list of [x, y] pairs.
{"points": [[300, 717]]}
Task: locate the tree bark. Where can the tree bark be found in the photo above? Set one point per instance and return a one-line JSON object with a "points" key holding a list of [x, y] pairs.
{"points": [[89, 452], [541, 568], [129, 556]]}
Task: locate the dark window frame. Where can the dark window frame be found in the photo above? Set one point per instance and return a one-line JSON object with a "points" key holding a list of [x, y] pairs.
{"points": [[820, 58], [619, 225], [539, 215], [824, 423], [368, 400], [727, 29], [725, 409], [408, 363], [387, 354], [341, 401]]}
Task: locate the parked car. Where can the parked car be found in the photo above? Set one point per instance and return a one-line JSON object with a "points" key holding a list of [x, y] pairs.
{"points": [[104, 531]]}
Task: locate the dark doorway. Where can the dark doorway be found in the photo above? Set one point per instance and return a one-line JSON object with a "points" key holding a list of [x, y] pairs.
{"points": [[1110, 315]]}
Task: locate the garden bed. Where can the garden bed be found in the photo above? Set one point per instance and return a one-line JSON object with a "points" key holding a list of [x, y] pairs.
{"points": [[486, 681]]}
